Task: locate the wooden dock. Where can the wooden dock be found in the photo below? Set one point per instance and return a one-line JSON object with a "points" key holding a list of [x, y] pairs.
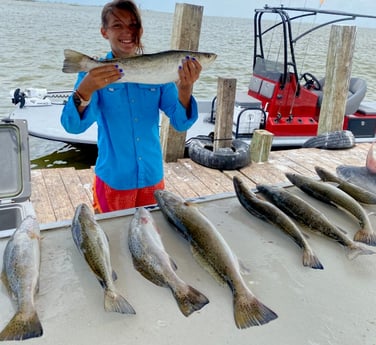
{"points": [[56, 192]]}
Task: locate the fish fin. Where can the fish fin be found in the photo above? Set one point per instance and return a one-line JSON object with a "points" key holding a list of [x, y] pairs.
{"points": [[173, 264], [365, 237], [204, 263], [102, 283], [20, 328], [190, 301], [73, 61], [311, 260], [342, 230], [4, 279], [357, 249], [117, 303], [114, 275], [249, 311], [243, 268]]}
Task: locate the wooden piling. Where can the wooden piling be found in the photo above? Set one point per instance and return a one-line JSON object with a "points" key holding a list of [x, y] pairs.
{"points": [[261, 145], [185, 36], [338, 72], [224, 115]]}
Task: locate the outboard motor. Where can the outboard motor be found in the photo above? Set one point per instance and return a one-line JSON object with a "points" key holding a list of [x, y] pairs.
{"points": [[18, 97]]}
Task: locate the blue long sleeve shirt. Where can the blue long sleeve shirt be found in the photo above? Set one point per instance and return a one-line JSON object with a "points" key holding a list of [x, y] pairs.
{"points": [[127, 115]]}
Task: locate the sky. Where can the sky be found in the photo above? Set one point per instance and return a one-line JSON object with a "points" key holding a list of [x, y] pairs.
{"points": [[245, 8]]}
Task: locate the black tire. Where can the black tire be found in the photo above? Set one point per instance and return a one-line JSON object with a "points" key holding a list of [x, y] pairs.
{"points": [[332, 140], [235, 157]]}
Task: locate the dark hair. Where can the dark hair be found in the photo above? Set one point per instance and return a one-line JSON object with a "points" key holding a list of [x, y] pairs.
{"points": [[124, 5]]}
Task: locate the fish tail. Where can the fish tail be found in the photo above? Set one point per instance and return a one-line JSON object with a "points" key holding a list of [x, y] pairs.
{"points": [[21, 327], [249, 311], [311, 260], [190, 301], [366, 237], [357, 249], [117, 303], [73, 62]]}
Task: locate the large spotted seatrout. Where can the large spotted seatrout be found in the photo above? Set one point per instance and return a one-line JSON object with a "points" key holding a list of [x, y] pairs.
{"points": [[158, 68], [92, 243], [211, 249], [152, 261], [20, 275]]}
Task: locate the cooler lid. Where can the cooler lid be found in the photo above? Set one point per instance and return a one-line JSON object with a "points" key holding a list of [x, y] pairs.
{"points": [[15, 181]]}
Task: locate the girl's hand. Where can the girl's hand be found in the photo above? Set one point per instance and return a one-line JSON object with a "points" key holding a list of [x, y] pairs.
{"points": [[189, 73]]}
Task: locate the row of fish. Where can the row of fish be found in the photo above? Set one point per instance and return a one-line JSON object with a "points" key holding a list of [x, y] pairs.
{"points": [[21, 264], [272, 204], [278, 206]]}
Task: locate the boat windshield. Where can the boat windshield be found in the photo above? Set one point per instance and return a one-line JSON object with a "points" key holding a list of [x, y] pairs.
{"points": [[275, 38]]}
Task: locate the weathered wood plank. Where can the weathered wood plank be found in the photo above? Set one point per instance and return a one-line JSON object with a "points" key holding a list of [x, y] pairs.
{"points": [[181, 185], [261, 145], [75, 188], [171, 180], [337, 78], [191, 186], [225, 109], [213, 179], [40, 198], [87, 178], [264, 173], [186, 36], [56, 192]]}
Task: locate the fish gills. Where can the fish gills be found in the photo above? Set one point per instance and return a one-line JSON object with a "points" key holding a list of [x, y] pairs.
{"points": [[20, 275], [269, 213], [210, 246], [358, 193], [92, 243], [332, 195], [153, 262]]}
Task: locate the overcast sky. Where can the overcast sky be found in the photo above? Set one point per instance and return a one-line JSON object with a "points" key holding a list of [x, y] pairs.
{"points": [[242, 8], [245, 8]]}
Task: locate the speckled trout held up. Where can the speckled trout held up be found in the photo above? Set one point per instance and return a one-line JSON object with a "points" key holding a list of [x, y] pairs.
{"points": [[157, 68]]}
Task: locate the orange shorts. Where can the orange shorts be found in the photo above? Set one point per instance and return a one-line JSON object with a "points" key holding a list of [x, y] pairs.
{"points": [[107, 199]]}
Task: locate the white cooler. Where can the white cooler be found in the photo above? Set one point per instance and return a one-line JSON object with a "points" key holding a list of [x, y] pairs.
{"points": [[15, 180]]}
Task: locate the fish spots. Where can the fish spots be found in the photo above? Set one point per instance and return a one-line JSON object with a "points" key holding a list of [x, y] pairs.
{"points": [[144, 220]]}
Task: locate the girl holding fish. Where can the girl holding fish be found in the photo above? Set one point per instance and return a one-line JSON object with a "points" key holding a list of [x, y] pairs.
{"points": [[129, 167]]}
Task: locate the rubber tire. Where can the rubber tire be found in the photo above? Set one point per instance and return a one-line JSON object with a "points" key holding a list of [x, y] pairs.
{"points": [[236, 157], [332, 140]]}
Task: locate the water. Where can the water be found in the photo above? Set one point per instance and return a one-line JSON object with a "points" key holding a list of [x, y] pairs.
{"points": [[34, 34]]}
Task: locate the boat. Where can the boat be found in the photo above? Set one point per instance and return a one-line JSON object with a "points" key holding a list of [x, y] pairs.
{"points": [[280, 99]]}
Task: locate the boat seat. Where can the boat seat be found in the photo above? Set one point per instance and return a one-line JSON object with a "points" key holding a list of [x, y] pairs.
{"points": [[357, 92]]}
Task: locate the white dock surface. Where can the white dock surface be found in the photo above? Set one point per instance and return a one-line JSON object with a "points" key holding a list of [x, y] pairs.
{"points": [[315, 307]]}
